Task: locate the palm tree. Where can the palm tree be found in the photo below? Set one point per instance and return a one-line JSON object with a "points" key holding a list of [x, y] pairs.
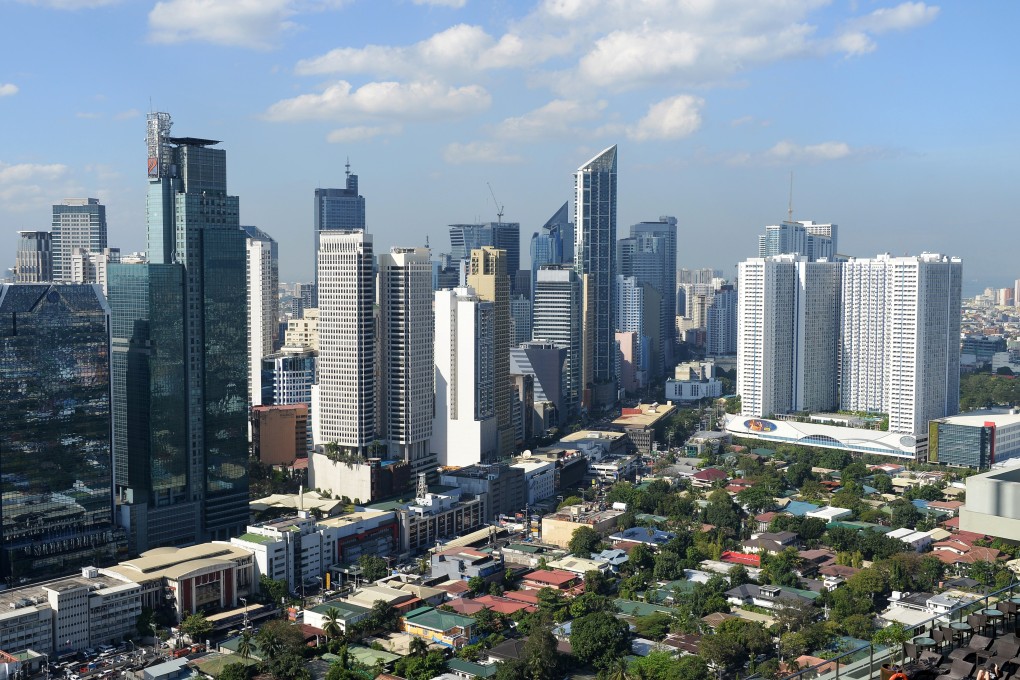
{"points": [[417, 647], [332, 626], [244, 645], [618, 671], [270, 645]]}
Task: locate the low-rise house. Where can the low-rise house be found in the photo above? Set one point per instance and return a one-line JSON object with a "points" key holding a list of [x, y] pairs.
{"points": [[768, 597], [956, 552], [770, 542], [913, 608], [614, 557], [645, 535], [764, 520], [466, 563], [830, 513], [439, 627], [708, 477], [346, 614], [918, 540], [557, 579], [579, 565]]}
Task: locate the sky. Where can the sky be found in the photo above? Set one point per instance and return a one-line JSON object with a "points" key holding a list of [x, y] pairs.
{"points": [[897, 120]]}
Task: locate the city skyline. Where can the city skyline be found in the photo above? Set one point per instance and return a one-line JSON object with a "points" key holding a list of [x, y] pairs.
{"points": [[865, 130]]}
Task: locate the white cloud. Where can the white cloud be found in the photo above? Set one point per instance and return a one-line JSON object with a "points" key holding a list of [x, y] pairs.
{"points": [[456, 4], [127, 115], [28, 186], [360, 133], [854, 43], [558, 118], [70, 4], [458, 50], [256, 24], [8, 89], [393, 100], [671, 118], [824, 151], [902, 17], [478, 152]]}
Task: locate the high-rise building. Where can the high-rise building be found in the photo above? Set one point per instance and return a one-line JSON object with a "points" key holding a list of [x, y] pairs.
{"points": [[345, 412], [638, 312], [649, 255], [506, 236], [488, 277], [544, 361], [57, 502], [93, 266], [595, 257], [553, 243], [262, 272], [721, 323], [520, 320], [900, 342], [34, 260], [336, 209], [303, 332], [406, 342], [875, 335], [77, 223], [558, 306], [464, 430], [287, 379], [181, 360], [804, 237]]}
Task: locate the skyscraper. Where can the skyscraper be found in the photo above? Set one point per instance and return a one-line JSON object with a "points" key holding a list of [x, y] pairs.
{"points": [[345, 412], [77, 223], [488, 277], [34, 259], [595, 257], [464, 430], [649, 255], [262, 273], [407, 350], [93, 266], [558, 308], [287, 379], [813, 241], [57, 502], [520, 320], [638, 312], [721, 323], [553, 243], [506, 236], [188, 304], [342, 209]]}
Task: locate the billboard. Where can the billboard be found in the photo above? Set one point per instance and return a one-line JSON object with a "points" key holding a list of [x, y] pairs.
{"points": [[757, 425]]}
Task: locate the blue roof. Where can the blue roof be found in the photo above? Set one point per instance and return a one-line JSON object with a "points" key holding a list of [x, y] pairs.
{"points": [[868, 490], [800, 508], [920, 503]]}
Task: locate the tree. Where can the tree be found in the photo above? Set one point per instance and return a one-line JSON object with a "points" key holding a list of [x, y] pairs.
{"points": [[660, 665], [595, 582], [244, 645], [273, 591], [668, 566], [331, 626], [417, 647], [584, 542], [778, 569], [235, 671], [721, 512], [640, 557], [589, 603], [570, 500], [421, 667], [600, 638], [738, 575], [859, 626], [144, 625], [756, 498], [904, 514], [653, 626], [384, 615], [476, 584], [372, 568], [196, 627], [541, 661], [734, 643]]}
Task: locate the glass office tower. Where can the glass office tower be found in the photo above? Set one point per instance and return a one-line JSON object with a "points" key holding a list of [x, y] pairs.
{"points": [[57, 501]]}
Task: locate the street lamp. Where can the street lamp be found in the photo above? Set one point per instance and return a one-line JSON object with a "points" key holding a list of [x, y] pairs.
{"points": [[244, 601]]}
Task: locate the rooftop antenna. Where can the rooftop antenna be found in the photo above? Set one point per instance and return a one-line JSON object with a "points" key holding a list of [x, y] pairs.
{"points": [[499, 208], [348, 166], [789, 209]]}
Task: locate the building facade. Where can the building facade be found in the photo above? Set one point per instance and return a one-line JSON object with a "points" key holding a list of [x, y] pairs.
{"points": [[262, 272], [346, 410], [57, 505], [279, 434], [34, 259], [77, 223], [721, 323], [505, 236], [342, 209], [649, 255], [558, 318], [595, 257], [407, 338]]}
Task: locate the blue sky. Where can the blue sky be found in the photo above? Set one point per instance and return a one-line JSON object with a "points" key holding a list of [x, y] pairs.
{"points": [[897, 119]]}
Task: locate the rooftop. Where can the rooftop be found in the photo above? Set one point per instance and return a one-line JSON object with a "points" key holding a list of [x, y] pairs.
{"points": [[978, 418], [434, 619], [645, 415]]}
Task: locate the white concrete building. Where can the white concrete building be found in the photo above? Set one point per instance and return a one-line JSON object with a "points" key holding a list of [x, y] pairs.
{"points": [[557, 318], [91, 267], [407, 370], [464, 429], [262, 274], [540, 477], [303, 332], [77, 223], [290, 549], [346, 408]]}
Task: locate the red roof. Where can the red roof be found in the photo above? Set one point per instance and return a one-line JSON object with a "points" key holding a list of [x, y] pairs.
{"points": [[740, 481], [454, 587], [765, 517], [952, 523], [741, 558], [503, 605], [709, 474], [466, 606], [552, 577], [522, 596], [300, 464]]}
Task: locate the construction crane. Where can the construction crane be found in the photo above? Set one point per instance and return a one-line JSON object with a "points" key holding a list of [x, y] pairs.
{"points": [[499, 208]]}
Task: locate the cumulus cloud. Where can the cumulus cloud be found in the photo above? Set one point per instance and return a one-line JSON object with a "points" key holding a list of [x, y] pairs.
{"points": [[558, 118], [824, 151], [671, 118], [902, 17], [360, 133], [457, 50], [478, 152], [8, 89], [257, 24], [26, 186], [392, 100], [127, 115]]}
